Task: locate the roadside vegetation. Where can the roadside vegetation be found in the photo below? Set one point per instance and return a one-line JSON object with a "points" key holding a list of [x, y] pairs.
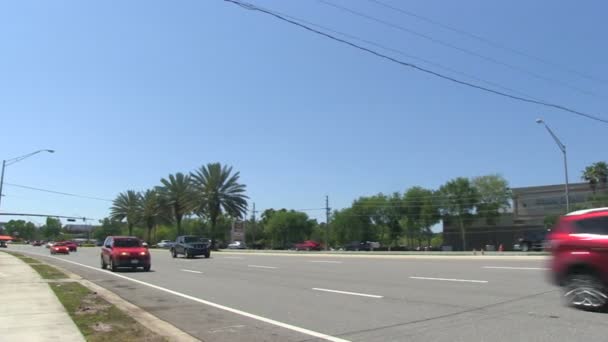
{"points": [[208, 200], [97, 319]]}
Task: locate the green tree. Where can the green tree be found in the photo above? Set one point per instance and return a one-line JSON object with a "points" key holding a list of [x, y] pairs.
{"points": [[21, 229], [218, 191], [108, 227], [458, 199], [178, 197], [287, 227], [494, 196], [150, 211], [52, 228], [596, 174], [421, 213], [385, 215], [126, 206], [349, 225]]}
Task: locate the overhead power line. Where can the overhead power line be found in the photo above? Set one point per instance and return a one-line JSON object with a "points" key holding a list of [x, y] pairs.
{"points": [[59, 192], [454, 47], [47, 215], [487, 41], [414, 66]]}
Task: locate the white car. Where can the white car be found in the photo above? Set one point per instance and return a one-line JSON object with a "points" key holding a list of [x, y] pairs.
{"points": [[237, 245], [49, 244], [165, 244]]}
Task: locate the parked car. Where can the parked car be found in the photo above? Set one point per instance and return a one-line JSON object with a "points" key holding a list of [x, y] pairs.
{"points": [[60, 248], [124, 251], [36, 243], [532, 241], [237, 245], [165, 244], [308, 245], [73, 246], [190, 246], [358, 246], [579, 246]]}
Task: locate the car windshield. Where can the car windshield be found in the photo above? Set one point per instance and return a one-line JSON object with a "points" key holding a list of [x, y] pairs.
{"points": [[191, 239], [127, 243]]}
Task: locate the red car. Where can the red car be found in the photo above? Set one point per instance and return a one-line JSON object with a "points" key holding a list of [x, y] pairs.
{"points": [[308, 245], [579, 245], [60, 248], [124, 251], [73, 246]]}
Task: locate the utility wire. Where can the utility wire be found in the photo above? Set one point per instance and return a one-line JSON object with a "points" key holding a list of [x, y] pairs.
{"points": [[486, 41], [59, 192], [428, 71], [454, 47], [402, 53]]}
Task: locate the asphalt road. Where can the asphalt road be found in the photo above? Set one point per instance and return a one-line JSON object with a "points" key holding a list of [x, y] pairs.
{"points": [[254, 297]]}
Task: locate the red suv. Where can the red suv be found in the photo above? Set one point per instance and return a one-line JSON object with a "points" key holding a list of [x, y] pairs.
{"points": [[124, 251], [579, 244]]}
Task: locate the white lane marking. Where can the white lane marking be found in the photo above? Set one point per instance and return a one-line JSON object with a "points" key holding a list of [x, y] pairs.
{"points": [[448, 279], [516, 268], [191, 271], [348, 293], [260, 266], [327, 261], [233, 258], [206, 302]]}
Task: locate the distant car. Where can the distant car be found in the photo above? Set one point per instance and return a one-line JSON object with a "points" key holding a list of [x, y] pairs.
{"points": [[190, 246], [73, 246], [99, 243], [49, 244], [60, 248], [165, 244], [3, 244], [124, 251], [36, 243], [532, 241], [236, 245], [358, 246], [579, 246], [308, 245]]}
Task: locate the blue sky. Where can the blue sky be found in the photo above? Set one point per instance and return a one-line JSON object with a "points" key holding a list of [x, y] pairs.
{"points": [[130, 91]]}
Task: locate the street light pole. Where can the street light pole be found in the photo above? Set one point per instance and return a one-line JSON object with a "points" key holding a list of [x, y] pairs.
{"points": [[12, 161], [562, 148]]}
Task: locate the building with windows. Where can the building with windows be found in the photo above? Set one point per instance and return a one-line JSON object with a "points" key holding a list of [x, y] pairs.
{"points": [[529, 208]]}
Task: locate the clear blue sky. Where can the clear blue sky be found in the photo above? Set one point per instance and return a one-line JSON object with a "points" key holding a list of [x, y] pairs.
{"points": [[130, 91]]}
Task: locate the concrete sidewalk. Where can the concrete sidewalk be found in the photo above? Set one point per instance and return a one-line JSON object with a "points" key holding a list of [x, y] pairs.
{"points": [[29, 309]]}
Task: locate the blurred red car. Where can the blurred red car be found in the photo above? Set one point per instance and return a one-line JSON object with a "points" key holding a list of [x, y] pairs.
{"points": [[308, 245], [579, 245], [60, 248], [124, 251], [73, 246]]}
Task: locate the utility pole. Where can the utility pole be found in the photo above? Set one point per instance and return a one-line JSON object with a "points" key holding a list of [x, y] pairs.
{"points": [[253, 224], [327, 209]]}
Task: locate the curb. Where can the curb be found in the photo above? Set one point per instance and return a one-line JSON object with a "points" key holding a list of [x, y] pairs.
{"points": [[143, 317]]}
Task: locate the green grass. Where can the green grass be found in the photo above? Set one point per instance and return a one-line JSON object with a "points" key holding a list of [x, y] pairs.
{"points": [[97, 319]]}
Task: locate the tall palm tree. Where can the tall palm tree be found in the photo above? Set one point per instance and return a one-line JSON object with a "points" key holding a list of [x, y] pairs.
{"points": [[596, 174], [150, 210], [219, 191], [177, 194], [126, 207]]}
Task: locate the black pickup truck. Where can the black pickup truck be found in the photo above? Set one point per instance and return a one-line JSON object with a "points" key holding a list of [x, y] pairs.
{"points": [[190, 246]]}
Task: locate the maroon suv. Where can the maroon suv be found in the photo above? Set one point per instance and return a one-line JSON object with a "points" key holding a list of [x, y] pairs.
{"points": [[579, 244]]}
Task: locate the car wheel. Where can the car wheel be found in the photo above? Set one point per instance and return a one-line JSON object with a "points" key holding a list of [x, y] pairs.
{"points": [[208, 254], [173, 253], [103, 264], [112, 266], [585, 292], [147, 268], [187, 254], [525, 247]]}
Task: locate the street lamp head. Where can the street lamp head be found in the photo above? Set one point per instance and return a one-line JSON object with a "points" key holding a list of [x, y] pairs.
{"points": [[50, 151], [539, 121]]}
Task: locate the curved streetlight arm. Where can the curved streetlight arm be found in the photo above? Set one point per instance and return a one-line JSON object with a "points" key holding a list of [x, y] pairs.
{"points": [[18, 159], [561, 146]]}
